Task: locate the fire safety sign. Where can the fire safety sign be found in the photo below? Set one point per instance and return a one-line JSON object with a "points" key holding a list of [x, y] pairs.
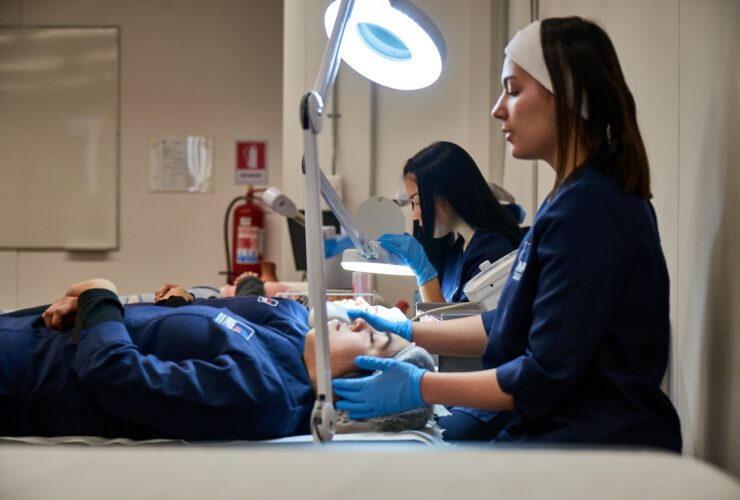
{"points": [[251, 162]]}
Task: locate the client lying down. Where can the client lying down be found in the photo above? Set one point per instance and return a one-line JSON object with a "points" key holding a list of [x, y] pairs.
{"points": [[236, 368]]}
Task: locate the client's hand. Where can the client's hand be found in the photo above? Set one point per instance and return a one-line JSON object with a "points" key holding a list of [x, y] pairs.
{"points": [[61, 314], [410, 250], [168, 290], [402, 328], [76, 289], [394, 390]]}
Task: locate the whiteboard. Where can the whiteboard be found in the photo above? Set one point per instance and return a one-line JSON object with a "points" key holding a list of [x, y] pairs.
{"points": [[59, 138]]}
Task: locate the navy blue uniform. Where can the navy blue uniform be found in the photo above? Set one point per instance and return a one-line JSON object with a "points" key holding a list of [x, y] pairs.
{"points": [[461, 266], [580, 338], [197, 372]]}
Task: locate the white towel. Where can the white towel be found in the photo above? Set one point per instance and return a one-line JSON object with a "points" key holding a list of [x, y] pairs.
{"points": [[525, 49]]}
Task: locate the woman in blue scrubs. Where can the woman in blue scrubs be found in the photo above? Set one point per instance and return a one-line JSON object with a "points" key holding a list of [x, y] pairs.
{"points": [[458, 222], [578, 347]]}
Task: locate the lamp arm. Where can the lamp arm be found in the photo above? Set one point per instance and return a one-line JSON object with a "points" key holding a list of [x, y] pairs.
{"points": [[331, 60], [311, 115], [345, 219]]}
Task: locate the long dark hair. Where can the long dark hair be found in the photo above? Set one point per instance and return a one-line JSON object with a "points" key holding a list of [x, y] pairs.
{"points": [[448, 171], [586, 74]]}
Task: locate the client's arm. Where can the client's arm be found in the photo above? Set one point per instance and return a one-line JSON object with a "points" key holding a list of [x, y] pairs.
{"points": [[62, 312]]}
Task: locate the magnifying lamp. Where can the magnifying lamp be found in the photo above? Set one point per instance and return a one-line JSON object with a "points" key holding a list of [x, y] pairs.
{"points": [[390, 42], [375, 217]]}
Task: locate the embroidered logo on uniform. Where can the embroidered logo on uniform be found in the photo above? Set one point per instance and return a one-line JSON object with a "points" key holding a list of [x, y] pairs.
{"points": [[269, 302], [521, 261], [234, 325]]}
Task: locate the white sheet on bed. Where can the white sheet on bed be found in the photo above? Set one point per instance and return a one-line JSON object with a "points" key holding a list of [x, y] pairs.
{"points": [[425, 437]]}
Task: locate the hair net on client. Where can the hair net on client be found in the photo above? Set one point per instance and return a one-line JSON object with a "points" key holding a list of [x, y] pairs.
{"points": [[408, 420]]}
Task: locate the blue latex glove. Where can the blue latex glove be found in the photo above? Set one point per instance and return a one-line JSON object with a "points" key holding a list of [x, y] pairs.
{"points": [[336, 245], [397, 388], [402, 328], [410, 250]]}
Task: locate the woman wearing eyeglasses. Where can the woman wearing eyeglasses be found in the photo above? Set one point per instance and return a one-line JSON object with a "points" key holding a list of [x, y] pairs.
{"points": [[458, 222]]}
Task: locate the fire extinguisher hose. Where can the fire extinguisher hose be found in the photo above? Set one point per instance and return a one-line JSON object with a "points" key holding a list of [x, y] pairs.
{"points": [[229, 271]]}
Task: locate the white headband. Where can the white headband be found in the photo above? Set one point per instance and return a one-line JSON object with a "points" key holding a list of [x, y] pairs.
{"points": [[525, 49]]}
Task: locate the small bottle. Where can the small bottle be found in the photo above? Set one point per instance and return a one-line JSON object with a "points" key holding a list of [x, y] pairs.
{"points": [[363, 285]]}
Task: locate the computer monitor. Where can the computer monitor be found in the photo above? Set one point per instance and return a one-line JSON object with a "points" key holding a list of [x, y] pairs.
{"points": [[298, 237]]}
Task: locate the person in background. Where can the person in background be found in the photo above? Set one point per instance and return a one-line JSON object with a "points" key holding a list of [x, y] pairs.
{"points": [[458, 222], [578, 346]]}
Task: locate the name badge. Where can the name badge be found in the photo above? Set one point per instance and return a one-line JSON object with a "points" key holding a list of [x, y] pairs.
{"points": [[521, 261], [269, 302], [234, 325]]}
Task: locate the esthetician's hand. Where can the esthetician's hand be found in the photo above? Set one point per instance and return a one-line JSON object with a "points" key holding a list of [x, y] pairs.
{"points": [[395, 389], [402, 328], [335, 245], [410, 250]]}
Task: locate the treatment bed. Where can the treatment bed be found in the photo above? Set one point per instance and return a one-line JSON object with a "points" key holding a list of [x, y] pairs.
{"points": [[370, 470]]}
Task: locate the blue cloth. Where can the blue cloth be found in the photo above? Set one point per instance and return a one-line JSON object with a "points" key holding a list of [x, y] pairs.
{"points": [[580, 337], [197, 372], [466, 424], [517, 211], [461, 266]]}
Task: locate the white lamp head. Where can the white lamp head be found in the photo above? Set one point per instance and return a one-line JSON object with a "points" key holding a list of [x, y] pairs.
{"points": [[384, 263], [375, 217], [274, 199], [390, 42]]}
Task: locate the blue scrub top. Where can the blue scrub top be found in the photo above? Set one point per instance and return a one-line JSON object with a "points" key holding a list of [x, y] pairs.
{"points": [[231, 369], [580, 338], [461, 266]]}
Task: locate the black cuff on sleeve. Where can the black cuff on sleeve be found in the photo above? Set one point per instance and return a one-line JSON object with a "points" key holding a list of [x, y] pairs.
{"points": [[96, 306]]}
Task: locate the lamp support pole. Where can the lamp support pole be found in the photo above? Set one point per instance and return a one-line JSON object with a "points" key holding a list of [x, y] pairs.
{"points": [[311, 114]]}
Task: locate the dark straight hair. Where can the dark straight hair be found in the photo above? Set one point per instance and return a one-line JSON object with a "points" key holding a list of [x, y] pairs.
{"points": [[446, 170], [586, 74]]}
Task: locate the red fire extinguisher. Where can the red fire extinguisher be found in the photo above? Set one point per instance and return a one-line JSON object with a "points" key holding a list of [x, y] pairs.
{"points": [[247, 237]]}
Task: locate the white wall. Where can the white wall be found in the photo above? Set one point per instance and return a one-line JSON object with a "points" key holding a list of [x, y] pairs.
{"points": [[187, 67], [707, 381], [680, 58]]}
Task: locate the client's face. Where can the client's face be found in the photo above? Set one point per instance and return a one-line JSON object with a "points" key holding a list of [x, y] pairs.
{"points": [[346, 342]]}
